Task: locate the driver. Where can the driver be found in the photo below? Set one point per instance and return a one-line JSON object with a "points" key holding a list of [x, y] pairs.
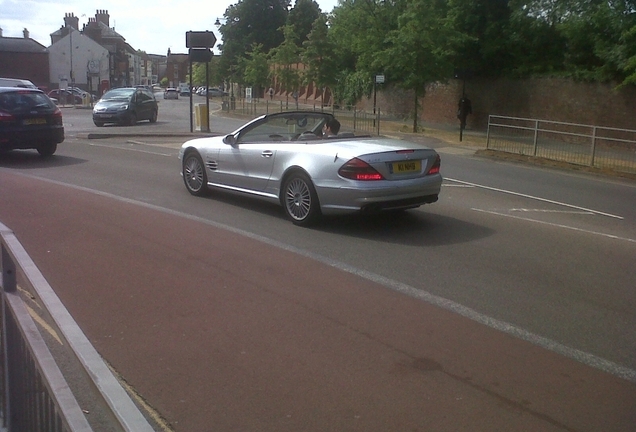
{"points": [[331, 128]]}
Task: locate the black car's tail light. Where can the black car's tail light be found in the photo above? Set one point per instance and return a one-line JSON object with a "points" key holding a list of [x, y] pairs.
{"points": [[57, 116], [6, 117], [436, 166], [357, 169]]}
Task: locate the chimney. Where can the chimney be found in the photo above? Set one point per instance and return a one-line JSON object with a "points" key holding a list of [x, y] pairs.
{"points": [[70, 20], [103, 17], [25, 32]]}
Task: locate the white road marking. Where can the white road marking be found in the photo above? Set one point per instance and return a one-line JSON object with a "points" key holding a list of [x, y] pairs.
{"points": [[614, 237], [524, 210], [535, 198]]}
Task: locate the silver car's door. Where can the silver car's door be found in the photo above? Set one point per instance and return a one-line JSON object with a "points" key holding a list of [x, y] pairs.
{"points": [[246, 165]]}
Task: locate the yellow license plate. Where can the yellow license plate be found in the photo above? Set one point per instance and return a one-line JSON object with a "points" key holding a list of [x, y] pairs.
{"points": [[406, 167], [34, 121]]}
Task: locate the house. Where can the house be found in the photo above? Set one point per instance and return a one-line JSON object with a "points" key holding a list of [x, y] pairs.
{"points": [[120, 67], [177, 68], [24, 58], [76, 60], [159, 67]]}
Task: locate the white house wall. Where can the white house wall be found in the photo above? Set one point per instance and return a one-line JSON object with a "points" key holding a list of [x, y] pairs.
{"points": [[86, 53]]}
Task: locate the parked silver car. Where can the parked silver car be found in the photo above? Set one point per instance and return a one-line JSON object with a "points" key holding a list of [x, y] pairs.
{"points": [[284, 158]]}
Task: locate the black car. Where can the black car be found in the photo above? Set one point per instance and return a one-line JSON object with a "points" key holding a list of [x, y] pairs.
{"points": [[126, 105], [29, 120]]}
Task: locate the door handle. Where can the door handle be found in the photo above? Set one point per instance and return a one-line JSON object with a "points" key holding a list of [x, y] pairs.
{"points": [[267, 154]]}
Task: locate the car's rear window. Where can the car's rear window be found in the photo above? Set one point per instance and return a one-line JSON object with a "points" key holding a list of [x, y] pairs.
{"points": [[22, 102]]}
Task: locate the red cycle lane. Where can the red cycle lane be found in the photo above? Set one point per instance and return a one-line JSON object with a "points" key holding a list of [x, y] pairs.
{"points": [[221, 332]]}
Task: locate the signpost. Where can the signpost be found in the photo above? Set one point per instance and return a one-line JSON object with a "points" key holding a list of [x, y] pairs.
{"points": [[379, 79], [199, 44]]}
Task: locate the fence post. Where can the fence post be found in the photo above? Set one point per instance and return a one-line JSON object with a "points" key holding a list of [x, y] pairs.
{"points": [[536, 137], [488, 133], [593, 150], [9, 284]]}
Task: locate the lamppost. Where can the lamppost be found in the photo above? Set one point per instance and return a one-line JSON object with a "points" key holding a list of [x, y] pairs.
{"points": [[71, 75]]}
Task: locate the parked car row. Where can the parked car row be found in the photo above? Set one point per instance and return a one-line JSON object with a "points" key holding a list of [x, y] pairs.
{"points": [[212, 92]]}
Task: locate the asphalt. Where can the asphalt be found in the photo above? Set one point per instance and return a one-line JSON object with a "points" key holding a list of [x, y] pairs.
{"points": [[217, 331]]}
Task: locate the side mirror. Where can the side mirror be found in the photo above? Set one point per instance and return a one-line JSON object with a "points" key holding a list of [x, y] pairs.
{"points": [[229, 139]]}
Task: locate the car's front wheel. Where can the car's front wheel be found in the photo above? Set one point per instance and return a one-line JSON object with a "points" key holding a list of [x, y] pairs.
{"points": [[132, 119], [300, 200], [153, 116], [194, 175]]}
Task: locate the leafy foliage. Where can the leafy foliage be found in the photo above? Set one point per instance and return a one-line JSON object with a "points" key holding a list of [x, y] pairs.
{"points": [[250, 22], [302, 17], [256, 68], [285, 59], [318, 55], [417, 42]]}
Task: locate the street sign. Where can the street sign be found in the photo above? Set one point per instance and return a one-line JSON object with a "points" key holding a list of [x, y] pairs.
{"points": [[200, 55], [379, 79], [200, 39]]}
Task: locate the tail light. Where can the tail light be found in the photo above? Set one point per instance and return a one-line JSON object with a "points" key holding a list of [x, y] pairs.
{"points": [[357, 169], [6, 117], [436, 166], [57, 116]]}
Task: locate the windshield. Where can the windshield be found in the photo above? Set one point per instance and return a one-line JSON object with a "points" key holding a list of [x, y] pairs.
{"points": [[122, 94], [285, 127]]}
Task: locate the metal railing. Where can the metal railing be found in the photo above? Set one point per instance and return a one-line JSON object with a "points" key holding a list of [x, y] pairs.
{"points": [[35, 395], [351, 119], [595, 146]]}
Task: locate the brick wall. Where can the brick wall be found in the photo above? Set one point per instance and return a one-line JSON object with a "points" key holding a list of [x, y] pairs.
{"points": [[546, 99], [30, 66]]}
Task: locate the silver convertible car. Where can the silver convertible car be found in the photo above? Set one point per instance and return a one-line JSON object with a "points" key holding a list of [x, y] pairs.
{"points": [[284, 158]]}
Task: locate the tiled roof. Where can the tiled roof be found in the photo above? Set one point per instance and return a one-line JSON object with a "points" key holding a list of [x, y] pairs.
{"points": [[10, 44]]}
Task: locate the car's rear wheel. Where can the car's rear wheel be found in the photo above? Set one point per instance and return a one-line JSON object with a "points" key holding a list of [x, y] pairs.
{"points": [[47, 150], [194, 175], [300, 200]]}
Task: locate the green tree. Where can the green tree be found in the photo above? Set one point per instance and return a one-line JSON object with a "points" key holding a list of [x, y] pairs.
{"points": [[318, 56], [284, 58], [249, 22], [358, 30], [302, 17], [485, 50], [256, 68], [421, 50], [213, 73]]}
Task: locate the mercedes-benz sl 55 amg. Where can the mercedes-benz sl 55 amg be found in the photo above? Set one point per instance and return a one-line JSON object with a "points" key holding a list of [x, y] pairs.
{"points": [[285, 158]]}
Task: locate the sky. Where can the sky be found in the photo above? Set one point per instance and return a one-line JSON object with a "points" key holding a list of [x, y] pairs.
{"points": [[151, 26]]}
